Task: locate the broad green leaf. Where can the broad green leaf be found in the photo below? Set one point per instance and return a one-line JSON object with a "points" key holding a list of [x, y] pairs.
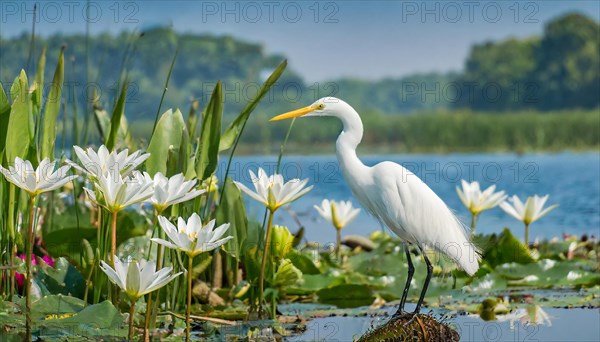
{"points": [[210, 136], [52, 109], [170, 132], [15, 87], [346, 296], [231, 210], [232, 131], [38, 92], [4, 115], [102, 120], [314, 282], [303, 263], [99, 316], [504, 248], [20, 131], [63, 278], [115, 119], [287, 274], [67, 241], [192, 119], [281, 242], [56, 305]]}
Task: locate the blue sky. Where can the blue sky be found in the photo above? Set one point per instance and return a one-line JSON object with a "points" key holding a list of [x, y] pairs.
{"points": [[324, 40]]}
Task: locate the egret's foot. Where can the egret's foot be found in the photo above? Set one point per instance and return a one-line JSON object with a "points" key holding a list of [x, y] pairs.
{"points": [[399, 312]]}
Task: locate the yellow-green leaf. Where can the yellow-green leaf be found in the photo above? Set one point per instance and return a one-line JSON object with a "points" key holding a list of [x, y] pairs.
{"points": [[115, 119], [235, 128], [169, 132], [52, 109], [20, 131], [211, 135]]}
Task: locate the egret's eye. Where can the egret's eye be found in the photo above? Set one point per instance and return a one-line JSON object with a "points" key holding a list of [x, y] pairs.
{"points": [[320, 106]]}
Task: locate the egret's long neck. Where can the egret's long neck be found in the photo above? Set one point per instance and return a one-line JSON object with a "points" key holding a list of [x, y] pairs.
{"points": [[348, 141]]}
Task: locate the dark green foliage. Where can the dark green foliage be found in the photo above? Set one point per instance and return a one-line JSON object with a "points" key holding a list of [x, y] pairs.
{"points": [[437, 132], [557, 71]]}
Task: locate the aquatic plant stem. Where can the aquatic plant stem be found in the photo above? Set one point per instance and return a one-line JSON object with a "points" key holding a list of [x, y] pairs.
{"points": [[131, 314], [28, 265], [189, 298], [261, 279], [150, 309], [338, 250], [473, 222], [147, 318], [527, 236], [113, 240]]}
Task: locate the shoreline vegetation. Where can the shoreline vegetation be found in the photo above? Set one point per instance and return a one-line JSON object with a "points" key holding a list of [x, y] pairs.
{"points": [[448, 132]]}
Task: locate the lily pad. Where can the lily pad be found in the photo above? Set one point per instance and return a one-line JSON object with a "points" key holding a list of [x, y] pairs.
{"points": [[346, 296]]}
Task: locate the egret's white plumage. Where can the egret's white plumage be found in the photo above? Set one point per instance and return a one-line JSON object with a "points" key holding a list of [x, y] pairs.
{"points": [[393, 194]]}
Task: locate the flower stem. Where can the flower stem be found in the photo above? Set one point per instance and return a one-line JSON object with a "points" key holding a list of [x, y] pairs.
{"points": [[131, 314], [527, 235], [113, 242], [147, 318], [261, 279], [28, 265], [338, 250], [189, 298], [473, 222]]}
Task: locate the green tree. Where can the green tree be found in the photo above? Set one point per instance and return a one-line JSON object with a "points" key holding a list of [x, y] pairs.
{"points": [[568, 63]]}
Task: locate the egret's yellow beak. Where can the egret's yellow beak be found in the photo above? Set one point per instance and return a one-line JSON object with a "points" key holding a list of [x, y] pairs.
{"points": [[295, 113]]}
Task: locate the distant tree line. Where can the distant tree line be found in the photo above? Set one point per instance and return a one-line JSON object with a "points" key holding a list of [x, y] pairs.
{"points": [[559, 70]]}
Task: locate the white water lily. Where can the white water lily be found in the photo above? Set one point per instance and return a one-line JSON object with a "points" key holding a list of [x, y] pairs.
{"points": [[572, 275], [476, 200], [339, 214], [191, 237], [528, 212], [46, 177], [99, 163], [273, 191], [119, 192], [137, 278], [533, 315], [170, 191]]}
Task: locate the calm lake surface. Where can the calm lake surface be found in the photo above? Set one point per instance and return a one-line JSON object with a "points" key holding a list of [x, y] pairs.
{"points": [[565, 325], [571, 179]]}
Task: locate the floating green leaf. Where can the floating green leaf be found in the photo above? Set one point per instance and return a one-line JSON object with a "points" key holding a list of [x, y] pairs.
{"points": [[346, 296]]}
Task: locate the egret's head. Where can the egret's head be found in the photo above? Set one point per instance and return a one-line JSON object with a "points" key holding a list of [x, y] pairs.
{"points": [[326, 106]]}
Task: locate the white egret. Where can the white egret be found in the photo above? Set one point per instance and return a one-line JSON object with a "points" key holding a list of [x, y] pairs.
{"points": [[396, 197]]}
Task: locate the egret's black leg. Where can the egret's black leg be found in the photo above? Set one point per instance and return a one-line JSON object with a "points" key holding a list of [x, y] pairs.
{"points": [[411, 271], [426, 285]]}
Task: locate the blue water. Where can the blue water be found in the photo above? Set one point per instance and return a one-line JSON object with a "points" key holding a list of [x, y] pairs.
{"points": [[571, 179], [566, 325]]}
